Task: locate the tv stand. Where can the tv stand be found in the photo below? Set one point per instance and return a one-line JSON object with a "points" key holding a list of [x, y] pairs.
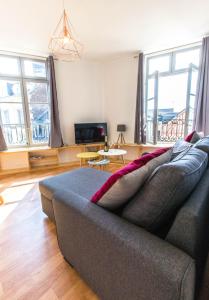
{"points": [[25, 159]]}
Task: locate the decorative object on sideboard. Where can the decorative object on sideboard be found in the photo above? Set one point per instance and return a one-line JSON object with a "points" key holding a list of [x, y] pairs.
{"points": [[106, 146], [121, 128], [62, 44]]}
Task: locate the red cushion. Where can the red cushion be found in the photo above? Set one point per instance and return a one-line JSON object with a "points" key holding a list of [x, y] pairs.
{"points": [[189, 137], [135, 164]]}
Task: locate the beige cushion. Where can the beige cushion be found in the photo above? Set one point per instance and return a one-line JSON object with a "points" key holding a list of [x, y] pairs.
{"points": [[129, 184]]}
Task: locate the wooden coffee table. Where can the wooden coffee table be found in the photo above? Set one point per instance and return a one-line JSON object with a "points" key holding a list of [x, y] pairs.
{"points": [[87, 156]]}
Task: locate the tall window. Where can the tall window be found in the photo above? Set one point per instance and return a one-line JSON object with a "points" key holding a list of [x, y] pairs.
{"points": [[171, 81], [24, 101]]}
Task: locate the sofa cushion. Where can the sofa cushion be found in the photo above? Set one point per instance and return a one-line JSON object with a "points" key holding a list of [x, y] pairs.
{"points": [[184, 145], [203, 144], [179, 147], [193, 137], [84, 181], [196, 137], [166, 190], [124, 183]]}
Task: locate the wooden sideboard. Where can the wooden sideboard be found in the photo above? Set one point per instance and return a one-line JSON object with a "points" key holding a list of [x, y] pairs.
{"points": [[18, 160]]}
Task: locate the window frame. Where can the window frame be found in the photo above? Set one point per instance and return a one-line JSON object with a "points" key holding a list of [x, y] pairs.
{"points": [[172, 71], [183, 70], [172, 62], [23, 79], [19, 66]]}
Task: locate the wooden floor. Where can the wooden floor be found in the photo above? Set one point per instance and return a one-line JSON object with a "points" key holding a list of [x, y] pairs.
{"points": [[31, 265]]}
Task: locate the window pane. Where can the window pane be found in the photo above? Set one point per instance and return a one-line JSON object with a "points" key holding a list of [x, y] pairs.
{"points": [[191, 112], [11, 113], [185, 58], [160, 64], [39, 114], [34, 68], [150, 116], [9, 66], [24, 123], [192, 99], [40, 133], [15, 135], [37, 92], [194, 82], [171, 107], [150, 88], [10, 91]]}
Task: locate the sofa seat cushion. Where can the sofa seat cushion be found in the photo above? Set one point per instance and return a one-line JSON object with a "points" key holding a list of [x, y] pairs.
{"points": [[83, 181], [124, 183], [166, 190]]}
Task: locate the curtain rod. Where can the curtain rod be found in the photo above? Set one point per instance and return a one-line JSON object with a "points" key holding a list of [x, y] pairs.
{"points": [[169, 49], [22, 54]]}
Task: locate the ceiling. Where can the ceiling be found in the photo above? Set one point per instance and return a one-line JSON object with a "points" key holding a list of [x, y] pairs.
{"points": [[106, 27]]}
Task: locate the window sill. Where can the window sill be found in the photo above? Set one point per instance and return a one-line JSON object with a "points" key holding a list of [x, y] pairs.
{"points": [[26, 149]]}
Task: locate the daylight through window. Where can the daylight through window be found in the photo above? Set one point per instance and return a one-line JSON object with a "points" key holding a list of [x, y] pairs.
{"points": [[24, 101], [171, 81]]}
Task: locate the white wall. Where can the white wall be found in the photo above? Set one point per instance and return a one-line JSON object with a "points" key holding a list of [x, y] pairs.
{"points": [[80, 94], [120, 84], [97, 92]]}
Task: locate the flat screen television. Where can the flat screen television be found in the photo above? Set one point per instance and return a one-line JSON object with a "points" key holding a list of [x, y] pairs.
{"points": [[86, 133]]}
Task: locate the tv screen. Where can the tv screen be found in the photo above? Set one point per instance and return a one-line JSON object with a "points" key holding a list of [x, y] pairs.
{"points": [[90, 132]]}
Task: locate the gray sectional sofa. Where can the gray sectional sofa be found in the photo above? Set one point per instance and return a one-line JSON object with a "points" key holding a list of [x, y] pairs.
{"points": [[114, 254]]}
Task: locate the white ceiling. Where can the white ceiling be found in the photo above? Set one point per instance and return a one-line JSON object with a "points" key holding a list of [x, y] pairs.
{"points": [[105, 27]]}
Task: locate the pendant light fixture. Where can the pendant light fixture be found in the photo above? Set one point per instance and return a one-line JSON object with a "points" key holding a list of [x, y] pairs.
{"points": [[63, 44]]}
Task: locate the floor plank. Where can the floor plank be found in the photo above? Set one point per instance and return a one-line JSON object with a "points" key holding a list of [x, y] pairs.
{"points": [[31, 265]]}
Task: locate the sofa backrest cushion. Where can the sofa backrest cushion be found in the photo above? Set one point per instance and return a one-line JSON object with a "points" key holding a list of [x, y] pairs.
{"points": [[203, 144], [193, 137], [192, 215], [124, 183], [190, 229], [179, 147], [166, 190], [184, 145]]}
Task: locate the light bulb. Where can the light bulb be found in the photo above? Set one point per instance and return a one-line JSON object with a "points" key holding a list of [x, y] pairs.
{"points": [[65, 40]]}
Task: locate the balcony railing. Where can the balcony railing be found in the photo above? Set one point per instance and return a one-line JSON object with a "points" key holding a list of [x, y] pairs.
{"points": [[40, 133], [173, 129], [170, 131], [18, 135]]}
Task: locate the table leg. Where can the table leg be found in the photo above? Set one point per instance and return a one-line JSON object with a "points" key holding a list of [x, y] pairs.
{"points": [[123, 160], [80, 162]]}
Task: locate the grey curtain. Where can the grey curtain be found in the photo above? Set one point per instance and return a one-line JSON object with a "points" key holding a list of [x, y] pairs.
{"points": [[3, 145], [139, 136], [201, 117], [55, 139]]}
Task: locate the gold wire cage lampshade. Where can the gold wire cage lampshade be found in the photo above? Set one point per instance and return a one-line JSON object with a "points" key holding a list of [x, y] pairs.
{"points": [[62, 44]]}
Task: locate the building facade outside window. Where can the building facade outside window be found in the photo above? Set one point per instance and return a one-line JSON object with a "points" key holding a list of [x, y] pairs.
{"points": [[170, 89], [24, 101]]}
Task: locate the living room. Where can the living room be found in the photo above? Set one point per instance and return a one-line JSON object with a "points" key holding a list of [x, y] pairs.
{"points": [[104, 144]]}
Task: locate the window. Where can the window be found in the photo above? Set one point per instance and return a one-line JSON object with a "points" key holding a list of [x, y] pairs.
{"points": [[171, 81], [24, 101]]}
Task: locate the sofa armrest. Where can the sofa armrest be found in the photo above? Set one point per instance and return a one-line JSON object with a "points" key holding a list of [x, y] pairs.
{"points": [[118, 259]]}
